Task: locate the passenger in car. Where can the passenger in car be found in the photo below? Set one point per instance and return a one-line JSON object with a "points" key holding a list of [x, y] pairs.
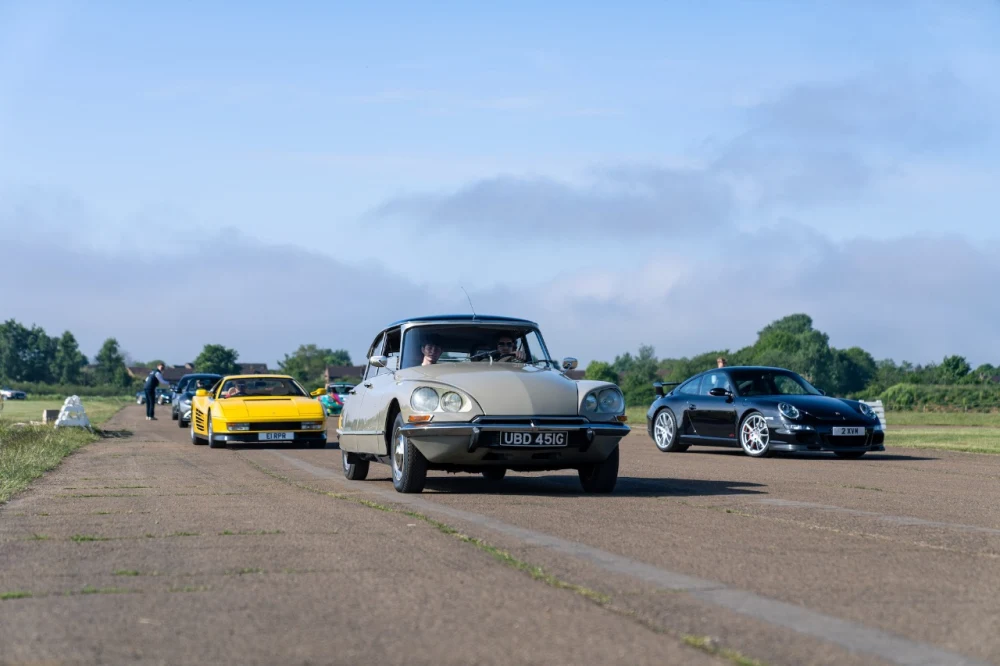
{"points": [[432, 351]]}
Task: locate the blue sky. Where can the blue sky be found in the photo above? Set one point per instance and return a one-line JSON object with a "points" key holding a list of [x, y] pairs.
{"points": [[640, 161]]}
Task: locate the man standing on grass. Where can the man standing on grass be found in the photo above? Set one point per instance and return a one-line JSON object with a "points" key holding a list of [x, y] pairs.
{"points": [[153, 379]]}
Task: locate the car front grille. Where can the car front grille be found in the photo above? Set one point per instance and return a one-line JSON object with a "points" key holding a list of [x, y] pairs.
{"points": [[529, 421], [277, 425]]}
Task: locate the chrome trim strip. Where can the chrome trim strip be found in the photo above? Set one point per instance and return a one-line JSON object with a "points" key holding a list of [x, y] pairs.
{"points": [[360, 432], [458, 429]]}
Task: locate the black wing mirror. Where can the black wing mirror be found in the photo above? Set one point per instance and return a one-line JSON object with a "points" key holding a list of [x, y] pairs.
{"points": [[720, 392]]}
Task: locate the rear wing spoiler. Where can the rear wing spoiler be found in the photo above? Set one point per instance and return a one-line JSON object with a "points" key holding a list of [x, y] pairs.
{"points": [[658, 386]]}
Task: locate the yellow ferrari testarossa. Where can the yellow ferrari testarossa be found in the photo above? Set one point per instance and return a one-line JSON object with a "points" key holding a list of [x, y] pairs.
{"points": [[257, 409]]}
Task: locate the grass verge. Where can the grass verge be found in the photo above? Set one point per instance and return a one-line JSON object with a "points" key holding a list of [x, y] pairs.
{"points": [[99, 410], [27, 452], [709, 645], [969, 440], [963, 419]]}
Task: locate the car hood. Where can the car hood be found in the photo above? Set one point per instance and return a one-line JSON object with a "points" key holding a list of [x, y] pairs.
{"points": [[505, 389], [822, 406], [270, 408]]}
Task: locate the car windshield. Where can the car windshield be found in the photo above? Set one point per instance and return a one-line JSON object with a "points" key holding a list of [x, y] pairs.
{"points": [[427, 345], [260, 387], [771, 382]]}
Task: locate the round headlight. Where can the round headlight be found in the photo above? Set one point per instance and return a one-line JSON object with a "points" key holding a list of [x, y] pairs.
{"points": [[590, 402], [788, 411], [424, 399], [611, 400], [451, 402]]}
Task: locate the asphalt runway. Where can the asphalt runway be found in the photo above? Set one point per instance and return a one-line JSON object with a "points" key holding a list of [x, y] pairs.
{"points": [[146, 549]]}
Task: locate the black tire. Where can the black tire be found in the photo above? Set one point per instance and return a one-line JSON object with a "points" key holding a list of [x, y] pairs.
{"points": [[666, 420], [195, 439], [355, 469], [747, 444], [600, 477], [181, 423], [409, 467], [849, 454], [212, 442], [494, 474], [174, 416]]}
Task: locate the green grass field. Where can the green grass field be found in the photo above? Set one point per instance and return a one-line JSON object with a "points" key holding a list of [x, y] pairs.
{"points": [[27, 452], [98, 410]]}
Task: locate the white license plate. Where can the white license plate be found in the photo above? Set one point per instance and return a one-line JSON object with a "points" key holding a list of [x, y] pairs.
{"points": [[844, 431], [534, 438], [276, 436]]}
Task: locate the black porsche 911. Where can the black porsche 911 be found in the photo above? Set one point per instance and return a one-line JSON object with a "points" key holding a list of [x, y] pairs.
{"points": [[762, 410]]}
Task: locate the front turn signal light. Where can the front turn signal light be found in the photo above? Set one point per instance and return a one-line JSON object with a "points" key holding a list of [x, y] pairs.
{"points": [[622, 418], [420, 418]]}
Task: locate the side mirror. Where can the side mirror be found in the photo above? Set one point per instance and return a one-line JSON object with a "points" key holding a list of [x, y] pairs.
{"points": [[378, 361], [201, 393], [821, 391], [658, 387], [569, 363], [719, 392]]}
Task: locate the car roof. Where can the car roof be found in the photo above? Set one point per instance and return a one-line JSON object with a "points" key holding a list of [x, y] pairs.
{"points": [[262, 376], [200, 374], [462, 318]]}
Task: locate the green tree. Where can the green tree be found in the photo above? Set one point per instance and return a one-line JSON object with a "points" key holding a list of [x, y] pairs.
{"points": [[953, 369], [217, 359], [68, 362], [13, 340], [601, 371], [637, 380], [110, 369], [308, 363]]}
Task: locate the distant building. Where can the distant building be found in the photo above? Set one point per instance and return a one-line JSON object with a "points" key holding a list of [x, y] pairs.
{"points": [[334, 372], [253, 369]]}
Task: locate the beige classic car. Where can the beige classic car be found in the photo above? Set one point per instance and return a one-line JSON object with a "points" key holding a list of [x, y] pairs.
{"points": [[480, 394]]}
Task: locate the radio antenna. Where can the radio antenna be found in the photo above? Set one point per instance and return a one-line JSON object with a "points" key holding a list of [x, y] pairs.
{"points": [[470, 302]]}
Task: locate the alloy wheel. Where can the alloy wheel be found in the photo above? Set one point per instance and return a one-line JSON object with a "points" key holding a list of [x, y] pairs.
{"points": [[754, 435]]}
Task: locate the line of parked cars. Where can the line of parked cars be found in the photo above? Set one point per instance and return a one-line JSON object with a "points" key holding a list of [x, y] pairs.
{"points": [[12, 394]]}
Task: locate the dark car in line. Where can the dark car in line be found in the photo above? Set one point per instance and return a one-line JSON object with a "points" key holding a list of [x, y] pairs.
{"points": [[180, 403], [761, 410], [162, 396]]}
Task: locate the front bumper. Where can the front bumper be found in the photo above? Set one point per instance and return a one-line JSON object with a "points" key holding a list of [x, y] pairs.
{"points": [[478, 442], [311, 436], [820, 438]]}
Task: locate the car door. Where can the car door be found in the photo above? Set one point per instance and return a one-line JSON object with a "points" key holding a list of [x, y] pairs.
{"points": [[715, 416], [379, 392], [687, 394], [352, 416]]}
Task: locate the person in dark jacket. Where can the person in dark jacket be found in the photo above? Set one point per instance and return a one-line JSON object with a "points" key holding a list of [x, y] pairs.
{"points": [[153, 379]]}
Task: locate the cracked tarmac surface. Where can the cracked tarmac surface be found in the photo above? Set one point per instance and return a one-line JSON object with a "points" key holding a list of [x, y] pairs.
{"points": [[147, 549]]}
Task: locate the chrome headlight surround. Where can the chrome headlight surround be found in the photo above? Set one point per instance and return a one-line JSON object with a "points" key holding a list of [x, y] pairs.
{"points": [[867, 411], [607, 400], [790, 412], [430, 399]]}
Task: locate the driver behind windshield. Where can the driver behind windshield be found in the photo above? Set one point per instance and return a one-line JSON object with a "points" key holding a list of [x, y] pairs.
{"points": [[507, 351], [431, 350], [236, 390]]}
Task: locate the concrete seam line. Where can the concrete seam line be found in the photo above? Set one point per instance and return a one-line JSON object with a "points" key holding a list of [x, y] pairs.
{"points": [[888, 518], [852, 636]]}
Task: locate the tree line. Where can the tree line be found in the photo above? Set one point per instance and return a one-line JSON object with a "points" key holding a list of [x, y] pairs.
{"points": [[792, 342], [32, 356]]}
